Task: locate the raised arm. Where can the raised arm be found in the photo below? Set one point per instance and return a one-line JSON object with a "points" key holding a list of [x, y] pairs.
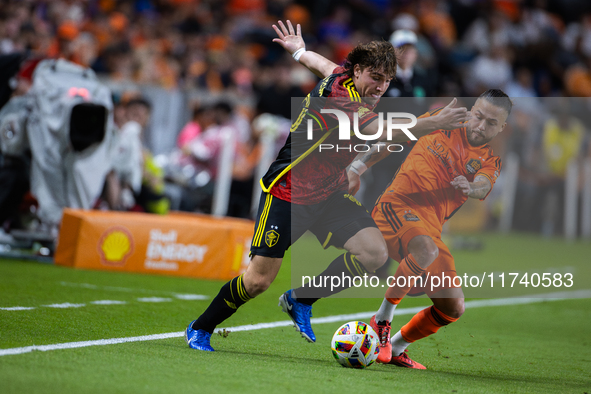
{"points": [[449, 118], [293, 43]]}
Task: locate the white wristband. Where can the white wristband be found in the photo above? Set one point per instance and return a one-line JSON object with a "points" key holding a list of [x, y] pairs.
{"points": [[358, 167], [297, 54]]}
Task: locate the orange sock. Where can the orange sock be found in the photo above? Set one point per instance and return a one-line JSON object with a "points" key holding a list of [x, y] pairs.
{"points": [[425, 323], [407, 268], [394, 301]]}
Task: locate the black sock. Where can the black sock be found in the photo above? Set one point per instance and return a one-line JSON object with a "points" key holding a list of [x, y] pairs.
{"points": [[344, 266], [232, 295]]}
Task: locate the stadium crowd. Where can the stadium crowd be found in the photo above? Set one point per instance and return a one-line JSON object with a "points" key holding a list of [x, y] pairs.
{"points": [[537, 50]]}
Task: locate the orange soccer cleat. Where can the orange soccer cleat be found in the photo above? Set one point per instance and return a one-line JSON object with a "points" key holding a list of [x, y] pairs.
{"points": [[404, 361], [383, 330]]}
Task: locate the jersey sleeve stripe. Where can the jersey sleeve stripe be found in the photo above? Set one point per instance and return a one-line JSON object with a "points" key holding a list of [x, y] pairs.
{"points": [[486, 176], [435, 111], [348, 84]]}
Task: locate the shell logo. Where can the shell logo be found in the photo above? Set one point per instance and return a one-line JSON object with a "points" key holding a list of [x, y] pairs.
{"points": [[115, 246]]}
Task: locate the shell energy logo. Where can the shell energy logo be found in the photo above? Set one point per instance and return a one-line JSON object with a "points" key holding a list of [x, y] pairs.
{"points": [[115, 246]]}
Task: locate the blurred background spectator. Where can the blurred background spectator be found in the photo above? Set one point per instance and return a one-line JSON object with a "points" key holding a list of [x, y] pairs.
{"points": [[219, 54]]}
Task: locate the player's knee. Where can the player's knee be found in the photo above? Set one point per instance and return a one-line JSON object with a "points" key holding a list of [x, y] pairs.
{"points": [[424, 250], [456, 309], [374, 257], [432, 253], [257, 285]]}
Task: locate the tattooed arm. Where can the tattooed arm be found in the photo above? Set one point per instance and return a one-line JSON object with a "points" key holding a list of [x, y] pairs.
{"points": [[477, 189]]}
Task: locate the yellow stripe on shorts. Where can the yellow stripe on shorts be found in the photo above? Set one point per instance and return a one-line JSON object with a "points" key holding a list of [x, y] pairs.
{"points": [[262, 221]]}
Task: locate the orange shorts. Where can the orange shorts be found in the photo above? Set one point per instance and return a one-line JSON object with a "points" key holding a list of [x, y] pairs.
{"points": [[399, 224]]}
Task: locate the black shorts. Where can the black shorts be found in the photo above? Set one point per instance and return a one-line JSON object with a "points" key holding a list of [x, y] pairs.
{"points": [[280, 223]]}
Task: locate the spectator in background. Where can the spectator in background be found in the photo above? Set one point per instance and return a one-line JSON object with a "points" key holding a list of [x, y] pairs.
{"points": [[437, 24], [276, 93], [227, 125], [492, 30], [246, 158], [522, 84], [188, 172], [151, 197], [410, 81], [577, 80], [247, 152], [193, 128], [124, 182], [525, 140], [63, 43], [488, 70], [562, 139], [426, 58]]}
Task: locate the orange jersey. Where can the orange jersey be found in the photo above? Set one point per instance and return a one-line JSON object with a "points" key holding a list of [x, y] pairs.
{"points": [[423, 181]]}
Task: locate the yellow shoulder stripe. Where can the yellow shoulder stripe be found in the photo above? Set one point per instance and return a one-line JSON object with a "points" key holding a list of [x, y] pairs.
{"points": [[353, 93]]}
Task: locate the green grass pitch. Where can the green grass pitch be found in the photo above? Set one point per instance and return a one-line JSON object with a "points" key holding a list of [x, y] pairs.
{"points": [[541, 347]]}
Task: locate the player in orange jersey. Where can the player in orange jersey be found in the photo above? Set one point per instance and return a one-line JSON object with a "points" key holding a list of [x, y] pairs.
{"points": [[442, 171]]}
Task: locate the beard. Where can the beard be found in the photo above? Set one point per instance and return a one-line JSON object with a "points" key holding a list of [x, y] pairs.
{"points": [[476, 138]]}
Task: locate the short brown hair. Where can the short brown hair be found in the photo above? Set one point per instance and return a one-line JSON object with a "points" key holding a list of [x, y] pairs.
{"points": [[498, 98], [377, 55]]}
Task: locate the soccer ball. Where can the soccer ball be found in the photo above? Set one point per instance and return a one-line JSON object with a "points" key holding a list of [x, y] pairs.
{"points": [[355, 345]]}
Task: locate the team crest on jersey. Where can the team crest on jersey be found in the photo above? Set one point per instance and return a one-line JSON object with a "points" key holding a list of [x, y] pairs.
{"points": [[271, 238], [473, 166], [362, 111], [411, 217]]}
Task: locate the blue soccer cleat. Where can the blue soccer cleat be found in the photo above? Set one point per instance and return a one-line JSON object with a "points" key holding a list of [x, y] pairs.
{"points": [[198, 339], [300, 315]]}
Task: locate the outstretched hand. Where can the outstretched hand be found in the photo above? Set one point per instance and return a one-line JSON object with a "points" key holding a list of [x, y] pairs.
{"points": [[452, 118], [288, 38], [461, 183]]}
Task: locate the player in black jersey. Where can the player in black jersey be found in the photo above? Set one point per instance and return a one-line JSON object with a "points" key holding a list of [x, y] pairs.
{"points": [[316, 198]]}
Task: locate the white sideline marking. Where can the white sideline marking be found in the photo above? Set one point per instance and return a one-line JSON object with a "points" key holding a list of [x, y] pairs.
{"points": [[154, 299], [185, 297], [65, 305], [130, 290], [108, 302], [558, 296], [190, 297]]}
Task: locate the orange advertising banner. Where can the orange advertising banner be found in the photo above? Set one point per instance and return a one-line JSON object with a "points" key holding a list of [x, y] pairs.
{"points": [[181, 244]]}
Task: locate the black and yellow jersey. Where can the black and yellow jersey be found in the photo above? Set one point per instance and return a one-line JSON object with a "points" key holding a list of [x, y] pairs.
{"points": [[303, 173]]}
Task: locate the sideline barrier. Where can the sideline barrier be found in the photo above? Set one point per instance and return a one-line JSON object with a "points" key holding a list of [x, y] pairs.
{"points": [[179, 244]]}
